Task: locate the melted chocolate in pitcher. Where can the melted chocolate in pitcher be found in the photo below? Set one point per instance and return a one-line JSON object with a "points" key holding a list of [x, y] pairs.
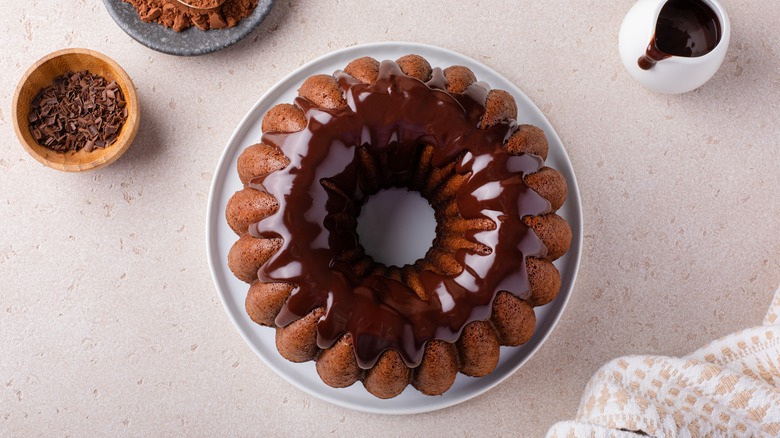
{"points": [[686, 28]]}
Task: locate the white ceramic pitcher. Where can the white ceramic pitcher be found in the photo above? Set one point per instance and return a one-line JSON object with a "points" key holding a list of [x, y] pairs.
{"points": [[675, 74]]}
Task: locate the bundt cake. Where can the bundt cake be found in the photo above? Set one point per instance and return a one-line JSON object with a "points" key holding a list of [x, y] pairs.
{"points": [[401, 124]]}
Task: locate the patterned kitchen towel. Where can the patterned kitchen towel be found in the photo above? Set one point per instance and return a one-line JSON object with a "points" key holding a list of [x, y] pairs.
{"points": [[731, 387]]}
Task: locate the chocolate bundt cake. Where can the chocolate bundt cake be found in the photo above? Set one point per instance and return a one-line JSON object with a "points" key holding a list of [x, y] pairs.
{"points": [[399, 124]]}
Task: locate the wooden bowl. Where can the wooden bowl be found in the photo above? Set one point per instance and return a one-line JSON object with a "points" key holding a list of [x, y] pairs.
{"points": [[41, 75]]}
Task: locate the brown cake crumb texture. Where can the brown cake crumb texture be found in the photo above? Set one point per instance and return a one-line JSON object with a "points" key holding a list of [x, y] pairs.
{"points": [[476, 353]]}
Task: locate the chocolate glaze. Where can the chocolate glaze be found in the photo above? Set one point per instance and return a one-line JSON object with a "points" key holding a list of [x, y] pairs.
{"points": [[397, 115], [686, 28]]}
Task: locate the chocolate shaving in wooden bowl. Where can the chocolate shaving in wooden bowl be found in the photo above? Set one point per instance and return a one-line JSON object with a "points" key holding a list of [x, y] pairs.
{"points": [[79, 111]]}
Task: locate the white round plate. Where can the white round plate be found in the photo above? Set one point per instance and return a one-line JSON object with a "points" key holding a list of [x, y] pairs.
{"points": [[232, 292]]}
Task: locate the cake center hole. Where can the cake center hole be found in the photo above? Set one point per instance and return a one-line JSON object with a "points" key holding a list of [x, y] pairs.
{"points": [[396, 227]]}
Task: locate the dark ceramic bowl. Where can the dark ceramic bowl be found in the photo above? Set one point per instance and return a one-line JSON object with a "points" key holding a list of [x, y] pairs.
{"points": [[190, 42]]}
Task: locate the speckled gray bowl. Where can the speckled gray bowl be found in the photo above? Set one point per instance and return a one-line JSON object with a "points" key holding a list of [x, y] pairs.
{"points": [[190, 42]]}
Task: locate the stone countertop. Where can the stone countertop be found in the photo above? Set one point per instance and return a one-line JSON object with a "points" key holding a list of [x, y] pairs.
{"points": [[109, 320]]}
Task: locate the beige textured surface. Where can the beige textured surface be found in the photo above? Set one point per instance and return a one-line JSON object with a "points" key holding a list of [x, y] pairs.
{"points": [[110, 324]]}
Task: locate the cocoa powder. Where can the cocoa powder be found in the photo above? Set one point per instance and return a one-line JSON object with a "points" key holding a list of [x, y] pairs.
{"points": [[171, 13], [203, 4]]}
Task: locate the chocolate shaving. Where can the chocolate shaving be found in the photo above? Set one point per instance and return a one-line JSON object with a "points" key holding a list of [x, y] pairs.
{"points": [[79, 110]]}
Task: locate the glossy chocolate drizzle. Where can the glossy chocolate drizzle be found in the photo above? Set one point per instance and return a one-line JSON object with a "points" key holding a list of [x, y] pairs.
{"points": [[397, 114], [685, 28]]}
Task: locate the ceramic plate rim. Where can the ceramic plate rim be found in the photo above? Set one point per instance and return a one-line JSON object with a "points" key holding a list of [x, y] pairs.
{"points": [[219, 269]]}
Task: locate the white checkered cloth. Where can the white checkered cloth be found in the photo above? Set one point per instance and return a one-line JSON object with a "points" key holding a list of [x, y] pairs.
{"points": [[731, 387]]}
